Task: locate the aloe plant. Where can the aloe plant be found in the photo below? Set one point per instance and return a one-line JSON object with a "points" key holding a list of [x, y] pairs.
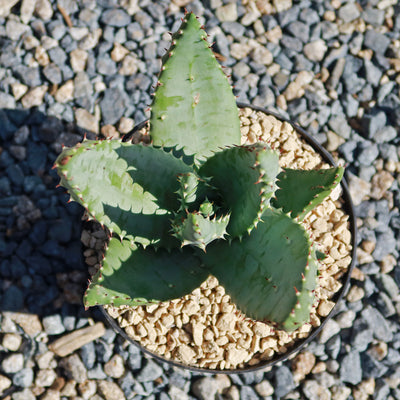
{"points": [[195, 202]]}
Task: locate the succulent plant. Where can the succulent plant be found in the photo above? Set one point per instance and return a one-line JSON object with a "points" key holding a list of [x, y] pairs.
{"points": [[195, 202]]}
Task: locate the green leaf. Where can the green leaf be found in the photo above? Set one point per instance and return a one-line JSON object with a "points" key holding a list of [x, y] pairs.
{"points": [[133, 276], [300, 190], [198, 230], [193, 191], [128, 188], [263, 272], [305, 296], [245, 178], [193, 107]]}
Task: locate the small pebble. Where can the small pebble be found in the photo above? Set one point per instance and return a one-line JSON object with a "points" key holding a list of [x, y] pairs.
{"points": [[350, 369], [149, 372], [12, 341], [12, 363], [45, 377], [264, 388], [52, 325], [23, 378], [5, 383], [115, 366], [74, 368], [315, 51], [110, 390], [205, 388]]}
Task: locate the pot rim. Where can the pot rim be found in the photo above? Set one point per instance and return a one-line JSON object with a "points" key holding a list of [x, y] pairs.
{"points": [[348, 207]]}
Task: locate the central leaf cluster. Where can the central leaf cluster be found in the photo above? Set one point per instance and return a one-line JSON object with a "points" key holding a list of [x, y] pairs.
{"points": [[225, 195]]}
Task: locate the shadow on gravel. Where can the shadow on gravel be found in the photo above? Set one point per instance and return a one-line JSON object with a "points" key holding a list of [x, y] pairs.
{"points": [[42, 270]]}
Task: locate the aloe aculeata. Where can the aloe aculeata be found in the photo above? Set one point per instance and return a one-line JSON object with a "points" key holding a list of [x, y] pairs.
{"points": [[195, 202]]}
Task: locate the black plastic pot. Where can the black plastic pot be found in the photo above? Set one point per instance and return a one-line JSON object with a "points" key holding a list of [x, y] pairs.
{"points": [[347, 207]]}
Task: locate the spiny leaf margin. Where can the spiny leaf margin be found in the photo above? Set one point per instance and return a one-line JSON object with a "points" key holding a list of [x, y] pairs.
{"points": [[299, 191], [264, 283], [190, 71], [245, 177], [130, 275], [110, 180]]}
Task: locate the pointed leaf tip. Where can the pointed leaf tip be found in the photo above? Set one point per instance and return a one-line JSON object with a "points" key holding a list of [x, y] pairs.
{"points": [[191, 57]]}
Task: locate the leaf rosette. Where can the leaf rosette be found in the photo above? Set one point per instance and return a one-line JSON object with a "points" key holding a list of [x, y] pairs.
{"points": [[195, 202]]}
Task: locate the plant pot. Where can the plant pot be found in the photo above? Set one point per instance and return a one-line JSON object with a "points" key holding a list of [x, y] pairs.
{"points": [[345, 272]]}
